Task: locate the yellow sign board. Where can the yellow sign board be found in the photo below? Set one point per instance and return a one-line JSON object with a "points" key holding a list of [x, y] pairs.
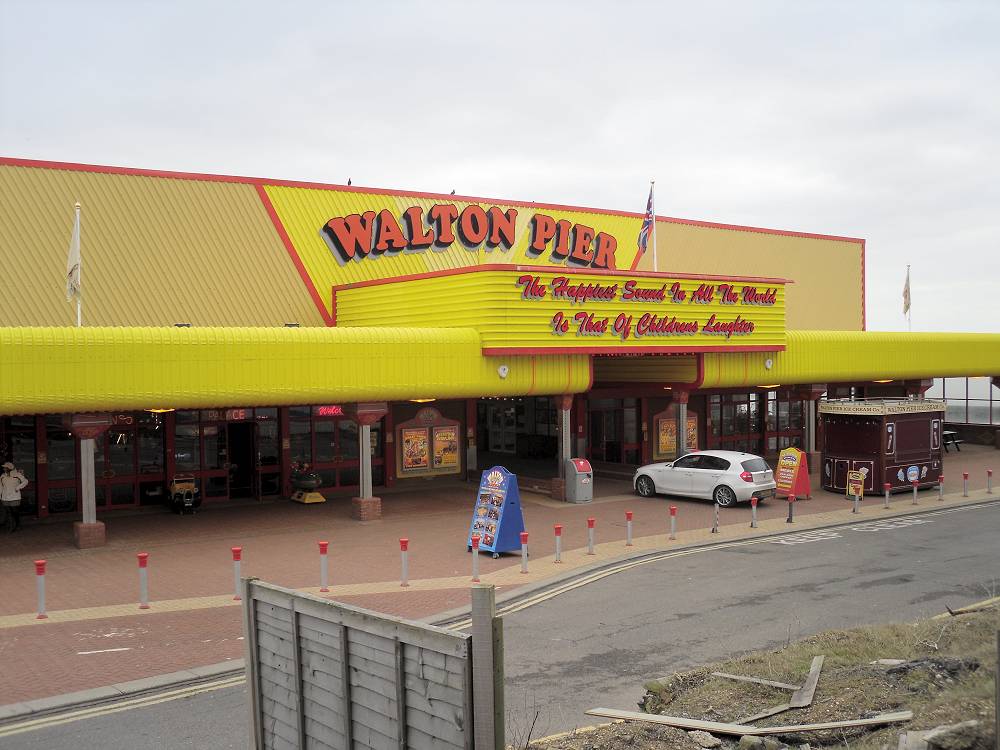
{"points": [[855, 483]]}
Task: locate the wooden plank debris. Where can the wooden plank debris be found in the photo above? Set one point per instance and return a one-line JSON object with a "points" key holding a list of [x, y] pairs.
{"points": [[802, 697], [756, 680], [718, 727]]}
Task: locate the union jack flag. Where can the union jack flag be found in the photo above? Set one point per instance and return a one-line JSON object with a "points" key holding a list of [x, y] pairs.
{"points": [[647, 224]]}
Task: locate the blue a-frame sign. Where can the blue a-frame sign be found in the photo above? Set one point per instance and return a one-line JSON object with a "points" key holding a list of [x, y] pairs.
{"points": [[496, 517]]}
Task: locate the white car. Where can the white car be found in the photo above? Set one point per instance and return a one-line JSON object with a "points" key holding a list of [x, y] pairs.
{"points": [[727, 477]]}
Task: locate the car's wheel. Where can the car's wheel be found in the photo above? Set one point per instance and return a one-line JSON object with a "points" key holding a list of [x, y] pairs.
{"points": [[644, 486], [724, 496]]}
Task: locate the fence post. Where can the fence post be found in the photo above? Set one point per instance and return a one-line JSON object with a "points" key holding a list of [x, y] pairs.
{"points": [[965, 484], [558, 530], [753, 513], [524, 551], [404, 547], [237, 556], [475, 558], [324, 571], [487, 670], [143, 580], [715, 520], [887, 487], [673, 521], [916, 483], [590, 535], [941, 488], [40, 585], [791, 513], [628, 528]]}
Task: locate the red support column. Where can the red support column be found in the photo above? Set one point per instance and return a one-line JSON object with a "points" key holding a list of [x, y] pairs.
{"points": [[41, 467], [388, 447], [285, 451], [471, 449]]}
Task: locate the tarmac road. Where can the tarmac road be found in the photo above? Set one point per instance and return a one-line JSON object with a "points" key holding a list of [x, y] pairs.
{"points": [[596, 645]]}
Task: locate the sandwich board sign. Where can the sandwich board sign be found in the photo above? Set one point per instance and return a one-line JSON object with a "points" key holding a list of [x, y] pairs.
{"points": [[855, 483], [791, 476], [496, 516]]}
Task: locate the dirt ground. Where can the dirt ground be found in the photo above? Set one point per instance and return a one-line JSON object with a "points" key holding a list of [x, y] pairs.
{"points": [[947, 677]]}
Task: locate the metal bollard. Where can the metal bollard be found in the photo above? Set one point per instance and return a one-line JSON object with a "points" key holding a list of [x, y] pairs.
{"points": [[916, 483], [558, 530], [590, 535], [791, 513], [753, 513], [673, 521], [475, 558], [715, 520], [237, 556], [324, 572], [965, 484], [941, 488], [989, 481], [628, 528], [857, 504], [40, 584], [143, 580], [404, 548], [887, 487], [524, 551]]}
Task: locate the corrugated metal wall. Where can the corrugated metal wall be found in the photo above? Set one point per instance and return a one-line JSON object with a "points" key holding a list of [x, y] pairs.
{"points": [[156, 251]]}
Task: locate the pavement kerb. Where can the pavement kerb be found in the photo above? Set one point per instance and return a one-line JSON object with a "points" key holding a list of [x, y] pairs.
{"points": [[41, 707], [135, 688], [576, 563]]}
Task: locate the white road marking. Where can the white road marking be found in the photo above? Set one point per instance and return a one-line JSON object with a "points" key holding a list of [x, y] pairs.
{"points": [[102, 651], [889, 524], [819, 535]]}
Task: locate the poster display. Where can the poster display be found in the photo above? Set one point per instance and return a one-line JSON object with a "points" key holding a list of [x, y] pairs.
{"points": [[415, 449], [666, 435], [496, 515], [445, 447]]}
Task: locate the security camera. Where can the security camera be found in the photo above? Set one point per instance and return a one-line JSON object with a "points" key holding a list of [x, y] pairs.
{"points": [[502, 371]]}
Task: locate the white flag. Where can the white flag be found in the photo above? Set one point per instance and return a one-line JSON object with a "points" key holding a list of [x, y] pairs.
{"points": [[73, 262], [906, 293]]}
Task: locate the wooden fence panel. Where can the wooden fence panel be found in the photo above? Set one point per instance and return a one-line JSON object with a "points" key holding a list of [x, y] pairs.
{"points": [[328, 675]]}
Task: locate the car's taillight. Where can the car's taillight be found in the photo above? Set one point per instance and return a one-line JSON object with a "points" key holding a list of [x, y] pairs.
{"points": [[746, 476]]}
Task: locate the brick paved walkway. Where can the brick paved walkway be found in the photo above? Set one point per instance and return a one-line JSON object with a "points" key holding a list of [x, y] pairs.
{"points": [[193, 621]]}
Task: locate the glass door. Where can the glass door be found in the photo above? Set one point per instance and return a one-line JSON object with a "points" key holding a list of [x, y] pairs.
{"points": [[502, 429]]}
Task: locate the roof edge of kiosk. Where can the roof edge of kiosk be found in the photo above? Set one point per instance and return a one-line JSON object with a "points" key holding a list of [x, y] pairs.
{"points": [[849, 356], [64, 369]]}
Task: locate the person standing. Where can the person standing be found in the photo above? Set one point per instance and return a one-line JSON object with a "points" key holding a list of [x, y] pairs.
{"points": [[12, 482]]}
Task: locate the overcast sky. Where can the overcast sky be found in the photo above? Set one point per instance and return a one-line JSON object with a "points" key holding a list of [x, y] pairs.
{"points": [[871, 119]]}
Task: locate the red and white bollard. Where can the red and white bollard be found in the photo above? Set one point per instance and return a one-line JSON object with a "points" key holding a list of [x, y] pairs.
{"points": [[753, 513], [475, 558], [324, 569], [143, 580], [524, 551], [673, 521], [916, 484], [887, 487], [791, 512], [941, 488], [590, 535], [965, 484], [715, 520], [989, 481], [558, 530], [237, 556], [40, 584], [404, 550], [628, 528], [857, 503]]}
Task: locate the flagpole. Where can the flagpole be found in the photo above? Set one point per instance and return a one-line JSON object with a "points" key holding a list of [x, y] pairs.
{"points": [[79, 294], [652, 202]]}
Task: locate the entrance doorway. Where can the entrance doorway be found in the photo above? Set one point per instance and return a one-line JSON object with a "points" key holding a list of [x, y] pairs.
{"points": [[502, 424], [242, 459], [614, 431]]}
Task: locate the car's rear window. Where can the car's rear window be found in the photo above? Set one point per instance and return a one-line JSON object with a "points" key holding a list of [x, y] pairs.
{"points": [[755, 464]]}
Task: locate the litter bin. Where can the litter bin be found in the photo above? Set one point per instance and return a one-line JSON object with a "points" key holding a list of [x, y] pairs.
{"points": [[579, 481]]}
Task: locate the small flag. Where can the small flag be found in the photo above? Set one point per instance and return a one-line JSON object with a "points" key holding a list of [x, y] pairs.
{"points": [[73, 262], [647, 224], [906, 293]]}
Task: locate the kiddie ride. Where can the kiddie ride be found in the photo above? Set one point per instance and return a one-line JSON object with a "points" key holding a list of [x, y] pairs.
{"points": [[306, 483], [184, 496]]}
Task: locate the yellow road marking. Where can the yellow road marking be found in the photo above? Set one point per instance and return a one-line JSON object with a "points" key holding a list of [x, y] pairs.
{"points": [[95, 711]]}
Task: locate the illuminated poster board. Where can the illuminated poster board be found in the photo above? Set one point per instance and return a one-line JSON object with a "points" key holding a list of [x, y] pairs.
{"points": [[496, 515], [428, 445], [665, 443]]}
